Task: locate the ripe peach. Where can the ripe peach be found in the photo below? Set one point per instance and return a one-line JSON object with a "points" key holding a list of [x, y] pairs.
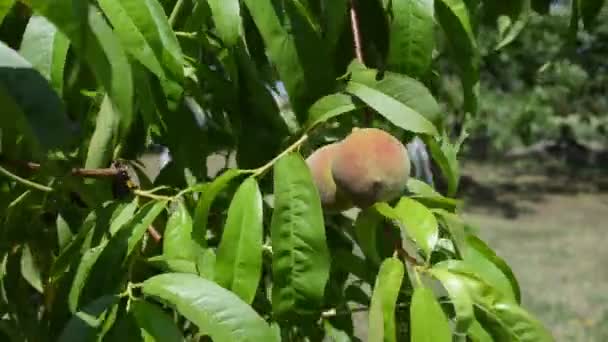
{"points": [[370, 166], [320, 162]]}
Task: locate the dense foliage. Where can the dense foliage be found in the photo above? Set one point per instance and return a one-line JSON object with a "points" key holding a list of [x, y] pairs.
{"points": [[95, 248]]}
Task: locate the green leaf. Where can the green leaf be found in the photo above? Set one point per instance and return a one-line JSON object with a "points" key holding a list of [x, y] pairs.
{"points": [[460, 297], [384, 301], [367, 228], [404, 89], [332, 334], [238, 265], [177, 239], [143, 29], [416, 220], [30, 106], [209, 192], [428, 321], [589, 11], [454, 18], [511, 18], [296, 49], [105, 137], [411, 35], [140, 222], [300, 262], [478, 334], [46, 48], [83, 325], [5, 8], [216, 311], [227, 18], [425, 194], [95, 42], [82, 273], [491, 268], [155, 324], [329, 107], [122, 216], [507, 317], [64, 233], [394, 111], [172, 265], [30, 270], [445, 154], [205, 264]]}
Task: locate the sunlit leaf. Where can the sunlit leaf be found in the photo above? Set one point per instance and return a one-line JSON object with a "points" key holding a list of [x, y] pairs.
{"points": [[300, 262], [216, 311], [428, 321], [384, 301], [238, 265]]}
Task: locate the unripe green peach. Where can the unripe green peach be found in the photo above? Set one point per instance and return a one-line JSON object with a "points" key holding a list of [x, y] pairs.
{"points": [[371, 166], [320, 162]]}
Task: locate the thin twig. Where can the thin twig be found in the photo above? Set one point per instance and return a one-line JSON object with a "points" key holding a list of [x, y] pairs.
{"points": [[90, 173], [154, 234], [176, 9], [262, 169], [24, 181], [354, 21]]}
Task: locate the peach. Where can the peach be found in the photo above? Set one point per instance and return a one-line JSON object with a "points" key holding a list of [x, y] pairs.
{"points": [[320, 162], [370, 165]]}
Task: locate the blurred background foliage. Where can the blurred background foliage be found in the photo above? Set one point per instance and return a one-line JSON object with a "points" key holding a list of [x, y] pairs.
{"points": [[540, 87]]}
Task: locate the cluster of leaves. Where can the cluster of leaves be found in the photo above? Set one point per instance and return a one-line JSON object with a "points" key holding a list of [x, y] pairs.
{"points": [[241, 255], [551, 76]]}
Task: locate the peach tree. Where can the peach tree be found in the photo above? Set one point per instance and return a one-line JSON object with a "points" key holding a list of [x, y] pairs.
{"points": [[229, 239]]}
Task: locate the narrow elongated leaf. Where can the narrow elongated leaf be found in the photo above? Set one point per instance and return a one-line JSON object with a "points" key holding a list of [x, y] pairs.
{"points": [[460, 297], [155, 325], [428, 321], [123, 215], [384, 301], [216, 311], [478, 334], [177, 240], [46, 48], [64, 233], [40, 118], [491, 268], [425, 194], [238, 265], [82, 272], [105, 137], [209, 192], [173, 265], [367, 228], [143, 28], [454, 18], [300, 262], [412, 37], [508, 318], [83, 325], [30, 270], [297, 51], [205, 264], [329, 107], [227, 18], [140, 222], [416, 220], [396, 112], [95, 42], [589, 11], [445, 154]]}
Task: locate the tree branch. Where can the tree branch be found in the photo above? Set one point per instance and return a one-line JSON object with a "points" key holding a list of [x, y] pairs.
{"points": [[354, 23]]}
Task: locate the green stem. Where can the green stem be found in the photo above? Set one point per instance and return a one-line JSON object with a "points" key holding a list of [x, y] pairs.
{"points": [[262, 169], [25, 181], [176, 9], [142, 193]]}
